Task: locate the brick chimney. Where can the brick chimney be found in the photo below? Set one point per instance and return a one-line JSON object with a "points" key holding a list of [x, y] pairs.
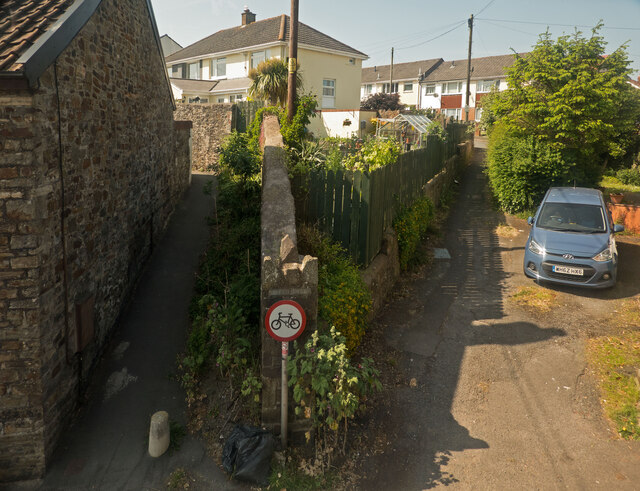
{"points": [[247, 16]]}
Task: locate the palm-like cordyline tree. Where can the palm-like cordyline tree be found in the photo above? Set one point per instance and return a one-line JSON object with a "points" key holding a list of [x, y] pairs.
{"points": [[270, 81]]}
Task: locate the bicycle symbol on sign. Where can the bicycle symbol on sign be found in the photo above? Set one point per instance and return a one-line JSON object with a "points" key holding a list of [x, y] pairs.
{"points": [[286, 320]]}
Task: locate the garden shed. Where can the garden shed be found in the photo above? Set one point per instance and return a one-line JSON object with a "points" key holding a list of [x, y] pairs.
{"points": [[410, 129]]}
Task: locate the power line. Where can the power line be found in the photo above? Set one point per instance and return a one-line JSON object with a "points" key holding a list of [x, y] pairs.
{"points": [[405, 38], [435, 37], [557, 25], [484, 8], [512, 29]]}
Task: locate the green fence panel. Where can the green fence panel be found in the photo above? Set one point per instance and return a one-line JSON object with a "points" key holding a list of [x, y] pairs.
{"points": [[363, 220], [347, 205], [356, 202], [338, 212]]}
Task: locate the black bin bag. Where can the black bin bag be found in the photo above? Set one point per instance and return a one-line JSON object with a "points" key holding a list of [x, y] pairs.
{"points": [[247, 454]]}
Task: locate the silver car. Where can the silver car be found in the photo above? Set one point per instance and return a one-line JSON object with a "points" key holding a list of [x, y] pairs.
{"points": [[571, 240]]}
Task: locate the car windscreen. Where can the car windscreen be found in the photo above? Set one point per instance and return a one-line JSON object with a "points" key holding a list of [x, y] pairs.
{"points": [[572, 217]]}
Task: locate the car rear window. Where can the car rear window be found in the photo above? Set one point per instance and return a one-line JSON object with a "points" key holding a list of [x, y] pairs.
{"points": [[572, 217]]}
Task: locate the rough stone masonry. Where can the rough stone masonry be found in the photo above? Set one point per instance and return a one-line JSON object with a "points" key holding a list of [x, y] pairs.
{"points": [[91, 166]]}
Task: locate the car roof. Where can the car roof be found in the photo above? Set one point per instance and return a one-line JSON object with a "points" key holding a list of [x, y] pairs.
{"points": [[584, 196]]}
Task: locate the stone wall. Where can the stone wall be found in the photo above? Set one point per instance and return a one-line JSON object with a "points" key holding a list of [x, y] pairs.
{"points": [[91, 167], [211, 123], [285, 275]]}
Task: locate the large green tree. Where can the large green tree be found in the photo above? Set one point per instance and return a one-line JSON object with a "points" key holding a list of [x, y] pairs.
{"points": [[571, 102]]}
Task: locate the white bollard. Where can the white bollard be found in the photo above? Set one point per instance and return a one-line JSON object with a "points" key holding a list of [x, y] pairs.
{"points": [[159, 434]]}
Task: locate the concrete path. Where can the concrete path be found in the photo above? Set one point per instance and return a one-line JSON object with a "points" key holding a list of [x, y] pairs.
{"points": [[106, 446], [503, 398]]}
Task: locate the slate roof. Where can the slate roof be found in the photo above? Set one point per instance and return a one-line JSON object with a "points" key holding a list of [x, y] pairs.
{"points": [[272, 30], [232, 84], [401, 71], [22, 22], [481, 68]]}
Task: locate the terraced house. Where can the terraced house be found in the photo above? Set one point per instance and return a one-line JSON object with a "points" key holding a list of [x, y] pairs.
{"points": [[216, 68], [438, 84]]}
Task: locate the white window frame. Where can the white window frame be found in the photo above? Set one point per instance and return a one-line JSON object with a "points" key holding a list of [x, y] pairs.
{"points": [[486, 85], [368, 89], [385, 88], [329, 93], [221, 100], [198, 100], [429, 89], [452, 87], [197, 70], [218, 67], [258, 57], [404, 87], [457, 113]]}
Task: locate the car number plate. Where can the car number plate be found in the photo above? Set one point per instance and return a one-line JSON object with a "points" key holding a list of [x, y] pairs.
{"points": [[567, 270]]}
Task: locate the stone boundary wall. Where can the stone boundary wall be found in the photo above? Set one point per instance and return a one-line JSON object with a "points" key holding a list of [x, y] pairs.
{"points": [[383, 272], [284, 273], [90, 171], [211, 123]]}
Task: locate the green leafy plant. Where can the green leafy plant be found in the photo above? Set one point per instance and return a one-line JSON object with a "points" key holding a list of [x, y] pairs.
{"points": [[344, 300], [373, 154], [328, 387], [410, 227], [270, 81], [240, 155], [629, 176]]}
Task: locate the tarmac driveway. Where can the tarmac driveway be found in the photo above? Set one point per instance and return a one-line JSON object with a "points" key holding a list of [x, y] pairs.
{"points": [[502, 396]]}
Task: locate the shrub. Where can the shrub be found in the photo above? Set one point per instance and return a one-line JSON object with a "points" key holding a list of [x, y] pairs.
{"points": [[410, 226], [629, 176], [344, 300], [521, 169], [240, 155], [382, 102], [373, 154], [327, 387]]}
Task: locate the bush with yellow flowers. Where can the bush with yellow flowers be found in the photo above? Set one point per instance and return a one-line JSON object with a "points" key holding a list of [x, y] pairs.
{"points": [[344, 299], [410, 226]]}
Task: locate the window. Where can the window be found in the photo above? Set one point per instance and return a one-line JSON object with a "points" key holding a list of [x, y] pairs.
{"points": [[218, 67], [368, 89], [394, 89], [454, 113], [478, 113], [258, 57], [408, 87], [429, 89], [487, 85], [194, 70], [328, 93], [198, 100], [220, 100], [232, 98], [176, 71], [452, 88]]}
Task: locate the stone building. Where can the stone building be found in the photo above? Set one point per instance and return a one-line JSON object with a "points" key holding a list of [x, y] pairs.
{"points": [[91, 167]]}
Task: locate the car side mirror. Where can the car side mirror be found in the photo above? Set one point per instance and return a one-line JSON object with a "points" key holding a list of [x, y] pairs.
{"points": [[530, 221], [618, 228]]}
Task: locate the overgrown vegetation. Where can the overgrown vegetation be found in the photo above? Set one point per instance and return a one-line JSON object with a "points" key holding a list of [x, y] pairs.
{"points": [[225, 309], [411, 226], [382, 102], [568, 114], [328, 388], [344, 300], [616, 360]]}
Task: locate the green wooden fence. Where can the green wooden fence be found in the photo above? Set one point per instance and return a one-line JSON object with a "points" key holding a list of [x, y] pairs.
{"points": [[355, 208]]}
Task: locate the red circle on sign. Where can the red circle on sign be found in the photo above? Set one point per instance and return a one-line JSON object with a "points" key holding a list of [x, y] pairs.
{"points": [[291, 323]]}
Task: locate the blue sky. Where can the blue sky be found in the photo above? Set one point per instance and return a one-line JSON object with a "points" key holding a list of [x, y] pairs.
{"points": [[417, 29]]}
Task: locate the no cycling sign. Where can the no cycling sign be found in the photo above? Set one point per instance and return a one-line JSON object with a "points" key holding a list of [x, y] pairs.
{"points": [[285, 320]]}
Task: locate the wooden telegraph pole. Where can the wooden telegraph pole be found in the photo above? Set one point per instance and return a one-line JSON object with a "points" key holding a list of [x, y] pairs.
{"points": [[391, 74], [293, 60], [466, 99]]}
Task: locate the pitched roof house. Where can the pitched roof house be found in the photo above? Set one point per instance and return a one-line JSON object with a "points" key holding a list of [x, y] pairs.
{"points": [[329, 68], [445, 87], [90, 169], [406, 78]]}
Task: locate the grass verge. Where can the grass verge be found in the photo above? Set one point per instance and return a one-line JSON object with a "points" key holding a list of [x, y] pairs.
{"points": [[616, 360], [534, 297], [611, 184]]}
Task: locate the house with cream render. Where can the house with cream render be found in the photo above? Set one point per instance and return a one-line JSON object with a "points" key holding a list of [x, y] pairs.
{"points": [[406, 79], [216, 69]]}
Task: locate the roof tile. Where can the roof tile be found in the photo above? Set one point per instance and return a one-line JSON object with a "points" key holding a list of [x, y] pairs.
{"points": [[258, 33], [23, 22]]}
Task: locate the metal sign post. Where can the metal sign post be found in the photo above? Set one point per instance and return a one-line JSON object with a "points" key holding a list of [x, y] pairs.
{"points": [[285, 321], [284, 396]]}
